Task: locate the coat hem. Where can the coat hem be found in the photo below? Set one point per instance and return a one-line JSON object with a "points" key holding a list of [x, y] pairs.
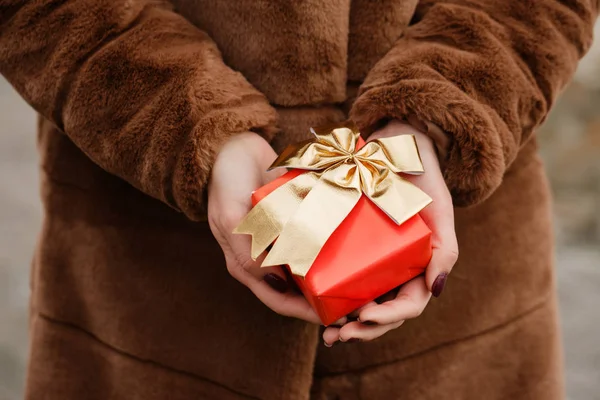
{"points": [[123, 353], [486, 331]]}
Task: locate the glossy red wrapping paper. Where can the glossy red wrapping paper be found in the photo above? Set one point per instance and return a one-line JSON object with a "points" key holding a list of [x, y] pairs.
{"points": [[367, 256]]}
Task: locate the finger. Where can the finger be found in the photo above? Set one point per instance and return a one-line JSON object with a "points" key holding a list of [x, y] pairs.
{"points": [[275, 278], [410, 302], [355, 331], [440, 218], [354, 314], [436, 273], [331, 334], [240, 247], [439, 215], [275, 296], [387, 297], [269, 284], [340, 322], [287, 304]]}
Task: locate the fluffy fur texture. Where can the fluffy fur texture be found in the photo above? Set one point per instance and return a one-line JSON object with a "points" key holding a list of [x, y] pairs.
{"points": [[486, 72], [131, 299], [139, 89], [295, 52]]}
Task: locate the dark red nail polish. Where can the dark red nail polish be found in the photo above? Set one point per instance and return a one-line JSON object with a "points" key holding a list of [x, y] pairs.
{"points": [[290, 280], [276, 282], [438, 284]]}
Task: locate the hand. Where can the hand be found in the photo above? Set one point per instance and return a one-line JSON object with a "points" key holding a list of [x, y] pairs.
{"points": [[238, 170], [410, 300]]}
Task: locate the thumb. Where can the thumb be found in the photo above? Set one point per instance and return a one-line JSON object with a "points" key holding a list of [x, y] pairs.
{"points": [[442, 261], [439, 217]]}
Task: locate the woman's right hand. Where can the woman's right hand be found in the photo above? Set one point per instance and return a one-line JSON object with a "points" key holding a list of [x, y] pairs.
{"points": [[240, 168]]}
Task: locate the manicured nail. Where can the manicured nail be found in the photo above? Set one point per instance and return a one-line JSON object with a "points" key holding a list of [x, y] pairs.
{"points": [[438, 284], [368, 322], [340, 322], [327, 344], [276, 282]]}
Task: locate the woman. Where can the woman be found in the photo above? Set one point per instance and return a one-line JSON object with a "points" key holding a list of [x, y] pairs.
{"points": [[154, 128]]}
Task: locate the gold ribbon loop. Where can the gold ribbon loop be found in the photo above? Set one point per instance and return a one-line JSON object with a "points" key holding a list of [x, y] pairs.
{"points": [[303, 212]]}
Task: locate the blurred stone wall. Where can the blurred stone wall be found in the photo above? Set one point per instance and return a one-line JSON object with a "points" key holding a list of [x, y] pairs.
{"points": [[570, 144]]}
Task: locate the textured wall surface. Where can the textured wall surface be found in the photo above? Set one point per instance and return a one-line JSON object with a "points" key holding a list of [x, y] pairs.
{"points": [[570, 146]]}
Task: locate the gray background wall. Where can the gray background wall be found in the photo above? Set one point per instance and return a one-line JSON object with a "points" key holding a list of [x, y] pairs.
{"points": [[570, 146]]}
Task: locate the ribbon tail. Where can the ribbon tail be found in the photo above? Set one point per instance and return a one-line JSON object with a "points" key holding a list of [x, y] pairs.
{"points": [[403, 154], [266, 220], [319, 215], [289, 157], [402, 200]]}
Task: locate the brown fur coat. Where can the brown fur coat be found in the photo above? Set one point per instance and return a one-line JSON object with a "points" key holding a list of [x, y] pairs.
{"points": [[130, 296]]}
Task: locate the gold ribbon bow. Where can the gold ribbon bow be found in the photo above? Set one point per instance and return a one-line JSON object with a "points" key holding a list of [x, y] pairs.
{"points": [[303, 213]]}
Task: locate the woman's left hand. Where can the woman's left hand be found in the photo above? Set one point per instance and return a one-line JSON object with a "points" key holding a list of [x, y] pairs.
{"points": [[410, 300]]}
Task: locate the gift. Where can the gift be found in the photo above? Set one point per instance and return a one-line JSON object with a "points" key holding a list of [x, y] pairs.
{"points": [[342, 220]]}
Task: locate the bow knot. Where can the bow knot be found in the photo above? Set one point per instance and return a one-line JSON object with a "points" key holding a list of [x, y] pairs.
{"points": [[303, 213]]}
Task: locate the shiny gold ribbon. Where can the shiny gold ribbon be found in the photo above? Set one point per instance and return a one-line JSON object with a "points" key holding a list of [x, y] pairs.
{"points": [[303, 212]]}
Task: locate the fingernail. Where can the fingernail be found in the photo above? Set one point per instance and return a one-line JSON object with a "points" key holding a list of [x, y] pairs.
{"points": [[438, 284], [327, 344], [276, 282], [340, 322]]}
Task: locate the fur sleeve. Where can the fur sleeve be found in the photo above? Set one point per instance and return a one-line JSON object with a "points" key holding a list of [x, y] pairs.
{"points": [[486, 72], [140, 90]]}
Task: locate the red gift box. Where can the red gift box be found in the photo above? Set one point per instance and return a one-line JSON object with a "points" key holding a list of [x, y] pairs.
{"points": [[367, 256]]}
